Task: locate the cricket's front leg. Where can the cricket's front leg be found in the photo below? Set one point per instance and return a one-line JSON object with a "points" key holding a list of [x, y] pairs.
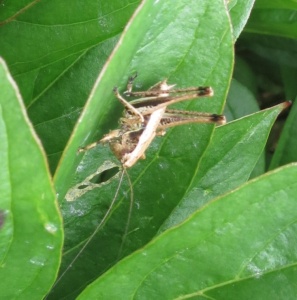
{"points": [[127, 105]]}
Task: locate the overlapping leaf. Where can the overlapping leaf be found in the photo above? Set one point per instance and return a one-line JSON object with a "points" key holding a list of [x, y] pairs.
{"points": [[188, 43], [240, 246], [31, 234], [55, 51], [192, 59]]}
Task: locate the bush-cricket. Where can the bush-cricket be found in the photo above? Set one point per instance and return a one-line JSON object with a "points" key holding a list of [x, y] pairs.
{"points": [[144, 118]]}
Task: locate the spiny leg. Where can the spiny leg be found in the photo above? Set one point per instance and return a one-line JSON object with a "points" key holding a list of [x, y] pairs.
{"points": [[127, 105], [196, 116], [172, 118], [162, 89], [160, 102]]}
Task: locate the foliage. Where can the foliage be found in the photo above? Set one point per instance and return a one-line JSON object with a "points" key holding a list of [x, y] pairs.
{"points": [[214, 211]]}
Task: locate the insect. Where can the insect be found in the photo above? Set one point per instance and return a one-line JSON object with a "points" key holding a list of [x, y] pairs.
{"points": [[143, 119], [148, 116]]}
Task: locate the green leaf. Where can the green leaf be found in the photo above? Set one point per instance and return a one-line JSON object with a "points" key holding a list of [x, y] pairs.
{"points": [[276, 18], [240, 102], [245, 75], [239, 13], [286, 150], [230, 158], [152, 68], [31, 234], [55, 52], [240, 246], [157, 47], [10, 10]]}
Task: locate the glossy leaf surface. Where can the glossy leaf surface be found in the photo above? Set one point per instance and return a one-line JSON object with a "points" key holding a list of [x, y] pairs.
{"points": [[239, 246], [31, 234], [192, 59]]}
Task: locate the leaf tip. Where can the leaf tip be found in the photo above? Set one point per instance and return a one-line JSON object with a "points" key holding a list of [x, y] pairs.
{"points": [[286, 104]]}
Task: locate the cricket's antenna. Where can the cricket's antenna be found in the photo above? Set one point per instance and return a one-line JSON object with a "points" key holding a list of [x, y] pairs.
{"points": [[97, 228], [129, 213]]}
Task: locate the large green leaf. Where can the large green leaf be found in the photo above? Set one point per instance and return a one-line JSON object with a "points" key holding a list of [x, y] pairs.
{"points": [[55, 52], [241, 102], [158, 43], [240, 246], [228, 162], [31, 234]]}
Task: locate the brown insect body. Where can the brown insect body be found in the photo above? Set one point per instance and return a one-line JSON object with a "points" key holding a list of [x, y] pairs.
{"points": [[148, 116], [144, 118]]}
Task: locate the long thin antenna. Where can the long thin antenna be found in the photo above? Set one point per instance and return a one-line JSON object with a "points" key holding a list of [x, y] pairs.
{"points": [[129, 213], [96, 230]]}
